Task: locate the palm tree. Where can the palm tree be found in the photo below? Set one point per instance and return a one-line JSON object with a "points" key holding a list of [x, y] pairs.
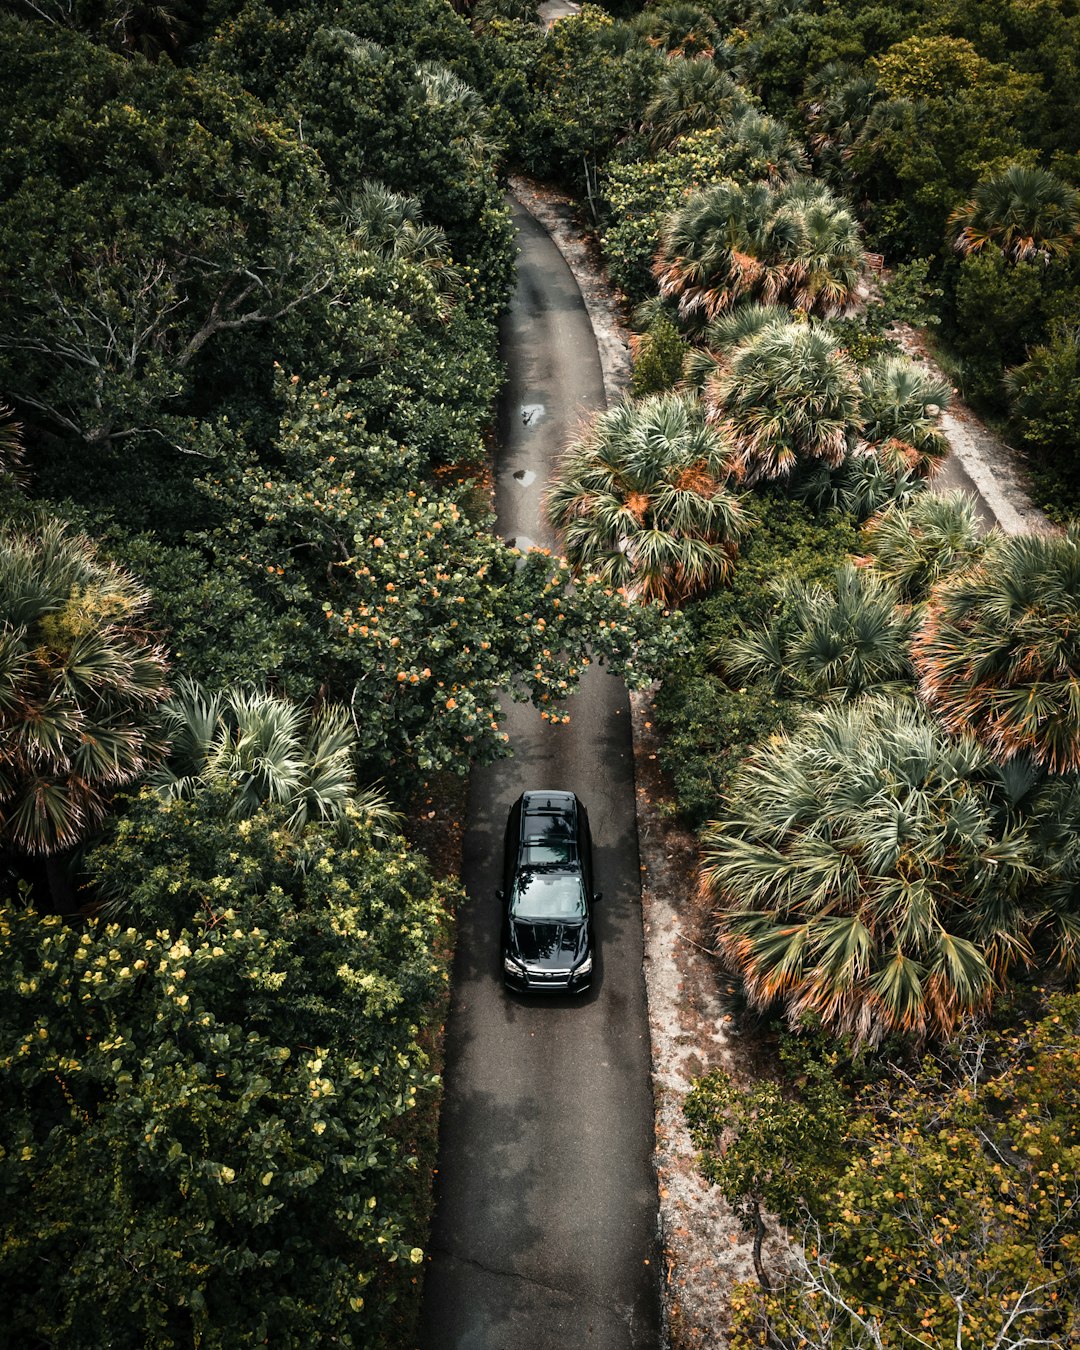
{"points": [[866, 875], [861, 487], [11, 444], [998, 652], [680, 30], [720, 338], [265, 749], [390, 225], [795, 244], [839, 98], [925, 539], [762, 147], [900, 402], [818, 238], [709, 250], [689, 96], [786, 396], [642, 501], [1025, 212], [833, 643], [80, 682]]}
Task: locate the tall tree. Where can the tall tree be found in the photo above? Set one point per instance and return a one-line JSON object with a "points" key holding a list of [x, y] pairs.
{"points": [[1028, 213], [866, 873], [998, 653], [80, 681], [796, 243], [643, 503], [786, 396]]}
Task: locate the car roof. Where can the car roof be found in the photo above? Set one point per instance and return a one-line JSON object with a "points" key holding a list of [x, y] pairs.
{"points": [[548, 803]]}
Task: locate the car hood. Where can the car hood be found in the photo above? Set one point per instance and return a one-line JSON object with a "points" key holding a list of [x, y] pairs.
{"points": [[549, 944]]}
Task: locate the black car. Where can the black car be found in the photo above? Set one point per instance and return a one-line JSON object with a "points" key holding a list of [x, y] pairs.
{"points": [[547, 932]]}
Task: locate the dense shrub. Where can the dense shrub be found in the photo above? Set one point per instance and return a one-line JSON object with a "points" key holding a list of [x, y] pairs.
{"points": [[208, 1106], [709, 725]]}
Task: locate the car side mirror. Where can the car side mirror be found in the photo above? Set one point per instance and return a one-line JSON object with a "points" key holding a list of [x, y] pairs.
{"points": [[597, 897], [499, 895]]}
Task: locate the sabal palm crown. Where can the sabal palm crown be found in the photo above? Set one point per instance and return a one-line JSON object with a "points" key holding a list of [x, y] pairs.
{"points": [[1025, 212], [80, 682], [900, 403], [642, 501], [391, 226], [864, 873], [786, 396], [264, 749], [762, 147], [796, 244], [998, 651], [828, 642], [690, 95], [839, 98], [928, 538], [679, 29]]}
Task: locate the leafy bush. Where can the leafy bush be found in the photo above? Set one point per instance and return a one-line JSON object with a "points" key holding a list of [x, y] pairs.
{"points": [[954, 1220], [1045, 395], [208, 1114], [709, 725], [658, 358]]}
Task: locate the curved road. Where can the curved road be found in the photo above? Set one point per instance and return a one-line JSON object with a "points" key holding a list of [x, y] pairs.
{"points": [[545, 1225]]}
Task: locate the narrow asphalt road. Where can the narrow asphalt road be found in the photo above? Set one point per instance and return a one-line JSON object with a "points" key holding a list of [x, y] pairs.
{"points": [[545, 1228]]}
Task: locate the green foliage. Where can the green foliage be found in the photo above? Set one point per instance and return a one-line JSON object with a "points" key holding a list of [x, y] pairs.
{"points": [[154, 216], [997, 652], [1045, 397], [709, 725], [409, 609], [865, 873], [1027, 213], [826, 643], [658, 358], [947, 118], [643, 503], [999, 313], [207, 1126], [769, 1145], [81, 677], [259, 748], [795, 244], [954, 1221], [787, 397], [590, 81], [640, 193], [917, 544]]}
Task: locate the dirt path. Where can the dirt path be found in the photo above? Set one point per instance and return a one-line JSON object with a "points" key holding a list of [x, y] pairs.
{"points": [[980, 463]]}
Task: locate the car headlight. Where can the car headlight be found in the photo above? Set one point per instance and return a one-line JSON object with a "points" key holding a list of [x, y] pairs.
{"points": [[512, 967], [585, 968]]}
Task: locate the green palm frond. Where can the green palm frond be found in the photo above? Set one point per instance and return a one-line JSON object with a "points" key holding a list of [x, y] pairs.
{"points": [[876, 839], [690, 95], [922, 541], [786, 395], [1026, 212], [998, 651], [261, 748], [80, 682], [641, 499]]}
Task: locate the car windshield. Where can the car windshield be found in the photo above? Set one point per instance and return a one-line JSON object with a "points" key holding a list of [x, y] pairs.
{"points": [[547, 893], [539, 851]]}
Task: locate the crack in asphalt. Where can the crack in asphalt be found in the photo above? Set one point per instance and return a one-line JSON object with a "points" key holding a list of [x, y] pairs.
{"points": [[621, 1311]]}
